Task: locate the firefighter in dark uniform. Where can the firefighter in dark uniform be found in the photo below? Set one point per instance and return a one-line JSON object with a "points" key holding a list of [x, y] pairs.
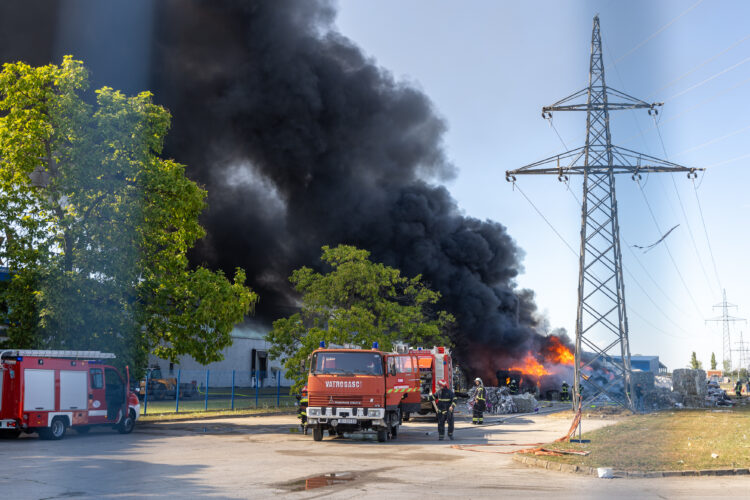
{"points": [[513, 386], [738, 389], [480, 403], [565, 392], [302, 409], [445, 401]]}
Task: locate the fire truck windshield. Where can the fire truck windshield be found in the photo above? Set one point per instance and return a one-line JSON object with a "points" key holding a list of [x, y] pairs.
{"points": [[347, 363]]}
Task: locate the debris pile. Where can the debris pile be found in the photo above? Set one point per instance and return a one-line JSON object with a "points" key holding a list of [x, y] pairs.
{"points": [[645, 379], [499, 400], [661, 397], [663, 381], [691, 385], [525, 403], [716, 396]]}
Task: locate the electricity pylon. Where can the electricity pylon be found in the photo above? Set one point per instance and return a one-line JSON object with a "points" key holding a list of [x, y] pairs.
{"points": [[725, 319], [601, 321], [742, 350]]}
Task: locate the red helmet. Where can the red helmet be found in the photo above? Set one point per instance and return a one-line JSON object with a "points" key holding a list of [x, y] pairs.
{"points": [[442, 383]]}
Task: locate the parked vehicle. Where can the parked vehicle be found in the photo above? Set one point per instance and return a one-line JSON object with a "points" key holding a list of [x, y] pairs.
{"points": [[434, 364], [49, 391], [359, 390], [160, 387]]}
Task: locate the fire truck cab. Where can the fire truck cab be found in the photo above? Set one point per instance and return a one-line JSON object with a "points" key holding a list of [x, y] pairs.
{"points": [[353, 390], [48, 391]]}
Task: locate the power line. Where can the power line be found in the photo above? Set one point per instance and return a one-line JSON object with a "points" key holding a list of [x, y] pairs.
{"points": [[712, 77], [515, 186], [684, 214], [657, 32], [648, 274], [669, 252], [699, 66], [714, 140], [630, 274], [703, 221], [696, 106]]}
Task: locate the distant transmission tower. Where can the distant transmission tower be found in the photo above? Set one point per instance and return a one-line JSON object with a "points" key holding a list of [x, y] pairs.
{"points": [[726, 319], [601, 322], [743, 352]]}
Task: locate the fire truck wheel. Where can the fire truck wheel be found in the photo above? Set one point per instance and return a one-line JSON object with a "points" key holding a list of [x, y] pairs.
{"points": [[317, 433], [382, 435], [394, 432], [127, 424], [55, 431]]}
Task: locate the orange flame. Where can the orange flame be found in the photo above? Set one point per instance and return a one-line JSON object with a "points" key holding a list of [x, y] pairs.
{"points": [[558, 353], [531, 367]]}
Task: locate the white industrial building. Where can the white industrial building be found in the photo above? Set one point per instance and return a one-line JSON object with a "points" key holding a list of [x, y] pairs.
{"points": [[247, 356]]}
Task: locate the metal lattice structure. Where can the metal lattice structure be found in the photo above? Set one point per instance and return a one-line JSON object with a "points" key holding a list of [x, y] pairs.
{"points": [[601, 320], [725, 320]]}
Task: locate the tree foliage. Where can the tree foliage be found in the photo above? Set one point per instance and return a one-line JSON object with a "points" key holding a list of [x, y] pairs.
{"points": [[97, 243], [356, 303], [694, 363], [713, 361]]}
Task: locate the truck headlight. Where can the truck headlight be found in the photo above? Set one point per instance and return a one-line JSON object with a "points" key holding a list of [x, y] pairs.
{"points": [[313, 412]]}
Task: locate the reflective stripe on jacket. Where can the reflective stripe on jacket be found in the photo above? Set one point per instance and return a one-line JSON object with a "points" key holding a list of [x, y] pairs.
{"points": [[445, 399]]}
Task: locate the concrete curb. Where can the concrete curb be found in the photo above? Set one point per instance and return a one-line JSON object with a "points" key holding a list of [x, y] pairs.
{"points": [[591, 471]]}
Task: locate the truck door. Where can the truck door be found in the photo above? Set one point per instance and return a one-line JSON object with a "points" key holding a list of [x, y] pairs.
{"points": [[97, 399], [114, 393], [392, 384], [406, 366]]}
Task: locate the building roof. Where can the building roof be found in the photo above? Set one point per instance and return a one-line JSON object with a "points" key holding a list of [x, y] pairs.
{"points": [[248, 333], [640, 358]]}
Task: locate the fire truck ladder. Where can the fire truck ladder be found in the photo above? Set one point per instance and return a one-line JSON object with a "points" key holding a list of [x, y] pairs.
{"points": [[57, 354]]}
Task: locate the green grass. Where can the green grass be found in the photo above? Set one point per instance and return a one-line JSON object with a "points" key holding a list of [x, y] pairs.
{"points": [[215, 404], [166, 417], [668, 440]]}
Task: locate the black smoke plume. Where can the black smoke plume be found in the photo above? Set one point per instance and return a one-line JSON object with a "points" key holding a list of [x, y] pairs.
{"points": [[301, 141]]}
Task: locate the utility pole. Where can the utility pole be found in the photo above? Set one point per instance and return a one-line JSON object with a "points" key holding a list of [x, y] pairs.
{"points": [[725, 319], [601, 320], [742, 350]]}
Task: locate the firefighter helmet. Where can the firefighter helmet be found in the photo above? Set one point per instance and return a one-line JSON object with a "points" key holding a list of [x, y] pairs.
{"points": [[478, 380], [304, 390], [442, 383]]}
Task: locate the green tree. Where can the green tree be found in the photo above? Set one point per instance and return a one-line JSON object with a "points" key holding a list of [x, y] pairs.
{"points": [[694, 363], [97, 226], [356, 302], [713, 361]]}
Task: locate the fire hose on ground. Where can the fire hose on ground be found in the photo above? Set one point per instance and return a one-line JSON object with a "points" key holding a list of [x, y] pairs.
{"points": [[538, 448]]}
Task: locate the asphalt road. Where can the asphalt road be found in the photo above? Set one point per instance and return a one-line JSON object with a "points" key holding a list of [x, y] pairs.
{"points": [[260, 457]]}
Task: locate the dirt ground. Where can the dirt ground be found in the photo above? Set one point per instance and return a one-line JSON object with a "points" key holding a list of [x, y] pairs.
{"points": [[261, 457]]}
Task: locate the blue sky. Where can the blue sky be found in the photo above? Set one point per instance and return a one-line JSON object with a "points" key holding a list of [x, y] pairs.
{"points": [[489, 67]]}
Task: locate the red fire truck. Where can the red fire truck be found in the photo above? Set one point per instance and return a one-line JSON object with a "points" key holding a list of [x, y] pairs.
{"points": [[434, 364], [48, 391], [352, 390]]}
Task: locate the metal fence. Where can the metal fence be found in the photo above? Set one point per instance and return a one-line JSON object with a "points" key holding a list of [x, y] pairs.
{"points": [[211, 390]]}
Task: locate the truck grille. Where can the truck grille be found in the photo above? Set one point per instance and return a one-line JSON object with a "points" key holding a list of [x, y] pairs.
{"points": [[335, 400]]}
